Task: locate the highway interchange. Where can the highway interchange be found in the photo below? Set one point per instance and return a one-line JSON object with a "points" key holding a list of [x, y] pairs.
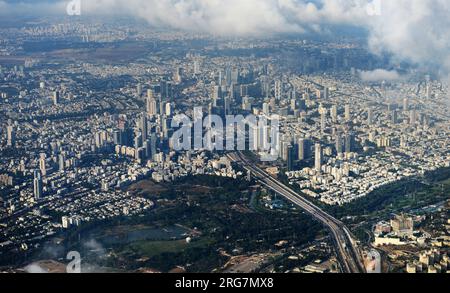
{"points": [[346, 247]]}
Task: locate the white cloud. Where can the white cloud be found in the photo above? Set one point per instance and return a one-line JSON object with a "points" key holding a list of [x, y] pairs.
{"points": [[413, 30], [379, 75]]}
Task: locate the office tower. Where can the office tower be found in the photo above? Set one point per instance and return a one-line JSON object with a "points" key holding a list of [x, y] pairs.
{"points": [[168, 109], [348, 137], [216, 95], [339, 147], [278, 90], [235, 76], [137, 141], [323, 120], [253, 137], [55, 98], [139, 90], [37, 185], [301, 144], [11, 136], [293, 104], [164, 89], [228, 76], [326, 93], [197, 67], [152, 109], [117, 137], [61, 162], [165, 127], [405, 104], [428, 90], [413, 116], [220, 78], [153, 144], [150, 94], [178, 76], [370, 116], [318, 157], [246, 104], [226, 105], [285, 150], [42, 166], [394, 117], [266, 109], [98, 139], [143, 126], [334, 113], [290, 158], [348, 116]]}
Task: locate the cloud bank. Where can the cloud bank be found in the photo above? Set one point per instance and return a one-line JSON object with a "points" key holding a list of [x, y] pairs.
{"points": [[379, 75], [411, 30]]}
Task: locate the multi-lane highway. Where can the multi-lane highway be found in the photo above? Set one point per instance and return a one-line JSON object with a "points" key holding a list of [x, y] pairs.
{"points": [[347, 250]]}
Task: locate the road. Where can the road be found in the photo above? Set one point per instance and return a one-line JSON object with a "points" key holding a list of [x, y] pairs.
{"points": [[346, 248]]}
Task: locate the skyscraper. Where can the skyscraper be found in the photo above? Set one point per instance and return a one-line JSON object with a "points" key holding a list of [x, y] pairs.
{"points": [[143, 126], [370, 116], [37, 184], [339, 148], [62, 162], [348, 115], [348, 142], [290, 158], [301, 144], [11, 137], [152, 109], [323, 120], [216, 95], [334, 113], [42, 166], [318, 157], [278, 89], [56, 98]]}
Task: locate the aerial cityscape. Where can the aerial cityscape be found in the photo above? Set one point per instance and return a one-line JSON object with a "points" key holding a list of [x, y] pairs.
{"points": [[209, 137]]}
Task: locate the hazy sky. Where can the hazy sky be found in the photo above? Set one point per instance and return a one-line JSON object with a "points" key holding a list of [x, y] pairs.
{"points": [[412, 30]]}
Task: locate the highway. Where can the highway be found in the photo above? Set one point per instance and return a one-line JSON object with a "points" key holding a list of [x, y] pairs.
{"points": [[346, 248]]}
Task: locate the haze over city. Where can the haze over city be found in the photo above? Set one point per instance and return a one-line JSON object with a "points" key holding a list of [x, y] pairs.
{"points": [[224, 136]]}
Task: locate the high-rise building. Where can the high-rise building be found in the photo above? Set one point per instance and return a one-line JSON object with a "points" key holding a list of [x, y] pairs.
{"points": [[339, 147], [278, 89], [413, 116], [323, 120], [370, 117], [301, 151], [61, 162], [37, 185], [152, 108], [11, 137], [334, 113], [348, 137], [405, 104], [348, 115], [55, 98], [326, 93], [168, 109], [318, 157], [150, 94], [394, 117], [216, 95], [266, 109], [290, 158], [42, 166], [143, 126], [139, 90]]}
